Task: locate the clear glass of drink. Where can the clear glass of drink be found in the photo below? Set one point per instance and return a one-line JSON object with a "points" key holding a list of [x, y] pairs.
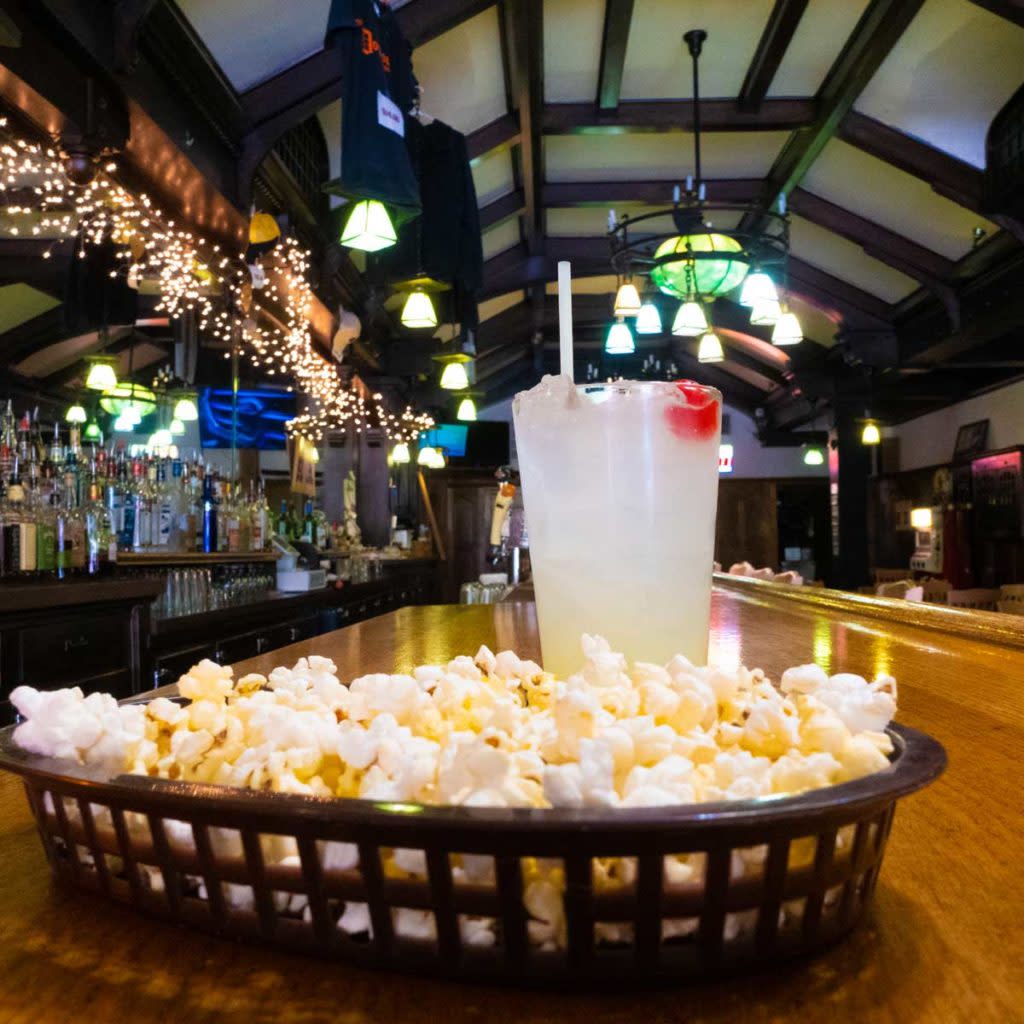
{"points": [[620, 486]]}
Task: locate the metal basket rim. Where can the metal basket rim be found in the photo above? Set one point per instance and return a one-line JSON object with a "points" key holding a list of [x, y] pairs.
{"points": [[918, 760]]}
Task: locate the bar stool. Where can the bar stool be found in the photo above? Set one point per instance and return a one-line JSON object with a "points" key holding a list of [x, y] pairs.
{"points": [[977, 597]]}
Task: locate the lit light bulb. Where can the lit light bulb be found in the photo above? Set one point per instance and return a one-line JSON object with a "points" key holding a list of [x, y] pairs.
{"points": [[75, 414], [710, 349], [765, 313], [123, 424], [176, 427], [425, 457], [627, 300], [101, 377], [690, 320], [185, 410], [620, 340], [467, 410], [814, 457], [93, 433], [871, 434], [369, 227], [648, 320], [418, 310], [160, 438], [454, 377], [400, 454], [787, 330], [758, 287]]}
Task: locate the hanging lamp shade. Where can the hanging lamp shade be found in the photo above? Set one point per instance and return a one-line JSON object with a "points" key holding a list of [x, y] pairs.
{"points": [[400, 454], [648, 320], [620, 340], [814, 457], [758, 287], [438, 461], [690, 320], [765, 312], [92, 432], [711, 275], [124, 424], [425, 457], [467, 410], [627, 301], [454, 377], [75, 414], [102, 376], [185, 410], [419, 311], [871, 434], [787, 330], [161, 438], [369, 227], [122, 397], [710, 349], [176, 427]]}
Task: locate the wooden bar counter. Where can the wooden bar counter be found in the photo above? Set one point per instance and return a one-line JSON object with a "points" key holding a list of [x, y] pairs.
{"points": [[944, 941]]}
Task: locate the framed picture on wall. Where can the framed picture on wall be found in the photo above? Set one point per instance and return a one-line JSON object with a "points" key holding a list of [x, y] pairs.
{"points": [[971, 439]]}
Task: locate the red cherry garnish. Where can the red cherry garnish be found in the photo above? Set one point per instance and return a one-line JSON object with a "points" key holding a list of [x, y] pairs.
{"points": [[698, 419]]}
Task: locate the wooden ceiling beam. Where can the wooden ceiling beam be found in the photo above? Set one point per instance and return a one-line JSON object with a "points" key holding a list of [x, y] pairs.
{"points": [[853, 304], [500, 210], [873, 38], [778, 34], [647, 193], [717, 115], [501, 133], [618, 16], [1011, 10], [424, 20]]}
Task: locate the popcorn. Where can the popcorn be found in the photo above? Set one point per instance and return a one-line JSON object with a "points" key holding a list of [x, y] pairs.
{"points": [[493, 730]]}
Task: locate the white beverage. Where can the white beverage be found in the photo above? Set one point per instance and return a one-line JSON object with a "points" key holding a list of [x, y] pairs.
{"points": [[620, 485]]}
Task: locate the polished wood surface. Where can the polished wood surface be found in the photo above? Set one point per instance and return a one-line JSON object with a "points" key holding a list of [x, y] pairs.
{"points": [[943, 942]]}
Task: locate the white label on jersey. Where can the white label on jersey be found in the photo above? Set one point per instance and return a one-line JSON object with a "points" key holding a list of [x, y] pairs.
{"points": [[389, 116]]}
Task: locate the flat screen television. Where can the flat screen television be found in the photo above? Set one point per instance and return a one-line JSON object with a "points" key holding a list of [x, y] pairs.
{"points": [[262, 414], [474, 445]]}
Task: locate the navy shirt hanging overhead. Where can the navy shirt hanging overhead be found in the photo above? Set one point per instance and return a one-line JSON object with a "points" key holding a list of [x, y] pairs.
{"points": [[378, 88]]}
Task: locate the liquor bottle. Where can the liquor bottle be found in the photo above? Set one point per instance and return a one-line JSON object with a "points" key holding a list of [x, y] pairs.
{"points": [[24, 523], [24, 426], [243, 505], [322, 536], [164, 513], [308, 524], [100, 545], [179, 533], [282, 527], [142, 503], [41, 510], [70, 536], [232, 522], [259, 516], [8, 442], [210, 535]]}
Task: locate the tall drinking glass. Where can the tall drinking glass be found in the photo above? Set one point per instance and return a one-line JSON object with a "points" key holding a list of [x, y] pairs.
{"points": [[620, 486]]}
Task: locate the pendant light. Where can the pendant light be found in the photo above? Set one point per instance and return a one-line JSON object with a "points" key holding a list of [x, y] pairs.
{"points": [[131, 414], [620, 340], [648, 320], [467, 410], [400, 454], [425, 457], [124, 424], [758, 287], [418, 311], [160, 439], [870, 435], [185, 410], [814, 457], [627, 300], [787, 330], [369, 227], [75, 414], [176, 427], [101, 376], [710, 350], [454, 377], [765, 313], [690, 320], [438, 461], [92, 432]]}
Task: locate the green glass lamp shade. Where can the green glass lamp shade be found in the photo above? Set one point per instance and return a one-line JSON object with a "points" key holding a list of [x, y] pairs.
{"points": [[134, 399], [710, 276], [467, 410], [814, 457]]}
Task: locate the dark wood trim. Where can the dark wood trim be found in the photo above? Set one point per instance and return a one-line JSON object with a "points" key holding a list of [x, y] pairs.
{"points": [[775, 40], [1011, 10], [851, 302], [423, 20], [618, 16], [717, 115], [500, 134], [511, 205], [648, 193]]}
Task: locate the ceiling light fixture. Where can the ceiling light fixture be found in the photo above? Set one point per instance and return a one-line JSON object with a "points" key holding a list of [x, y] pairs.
{"points": [[75, 414], [690, 320], [648, 320], [787, 330], [101, 376], [467, 410], [620, 340], [627, 300], [419, 311], [400, 454], [454, 378], [871, 435], [757, 288], [710, 349], [185, 410], [369, 227], [814, 457]]}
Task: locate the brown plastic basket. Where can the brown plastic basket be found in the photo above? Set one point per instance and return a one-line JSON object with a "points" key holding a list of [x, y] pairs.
{"points": [[116, 836]]}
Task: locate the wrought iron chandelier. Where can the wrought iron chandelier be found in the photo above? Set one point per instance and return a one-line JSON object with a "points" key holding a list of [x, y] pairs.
{"points": [[698, 260]]}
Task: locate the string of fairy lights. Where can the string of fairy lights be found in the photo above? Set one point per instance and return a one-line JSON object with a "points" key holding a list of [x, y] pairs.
{"points": [[193, 275]]}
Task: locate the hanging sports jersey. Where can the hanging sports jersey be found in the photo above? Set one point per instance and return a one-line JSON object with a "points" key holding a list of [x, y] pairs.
{"points": [[378, 88]]}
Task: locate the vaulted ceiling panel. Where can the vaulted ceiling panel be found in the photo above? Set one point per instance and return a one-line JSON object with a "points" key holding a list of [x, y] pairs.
{"points": [[947, 77], [867, 186], [252, 41], [492, 307], [492, 176], [500, 238], [657, 63], [847, 261], [823, 30], [568, 222], [20, 303], [667, 157], [572, 49], [460, 74]]}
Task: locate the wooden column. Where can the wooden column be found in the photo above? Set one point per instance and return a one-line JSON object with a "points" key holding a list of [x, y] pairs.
{"points": [[851, 568]]}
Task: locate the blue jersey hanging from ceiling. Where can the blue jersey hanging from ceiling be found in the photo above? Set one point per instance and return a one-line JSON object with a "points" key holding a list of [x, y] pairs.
{"points": [[378, 88]]}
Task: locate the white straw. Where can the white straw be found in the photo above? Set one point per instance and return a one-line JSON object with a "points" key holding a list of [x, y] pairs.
{"points": [[565, 317]]}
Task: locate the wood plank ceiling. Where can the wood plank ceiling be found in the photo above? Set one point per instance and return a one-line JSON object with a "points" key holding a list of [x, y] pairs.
{"points": [[869, 114]]}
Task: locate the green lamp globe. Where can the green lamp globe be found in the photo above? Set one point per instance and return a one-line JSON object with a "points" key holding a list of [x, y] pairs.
{"points": [[710, 276]]}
